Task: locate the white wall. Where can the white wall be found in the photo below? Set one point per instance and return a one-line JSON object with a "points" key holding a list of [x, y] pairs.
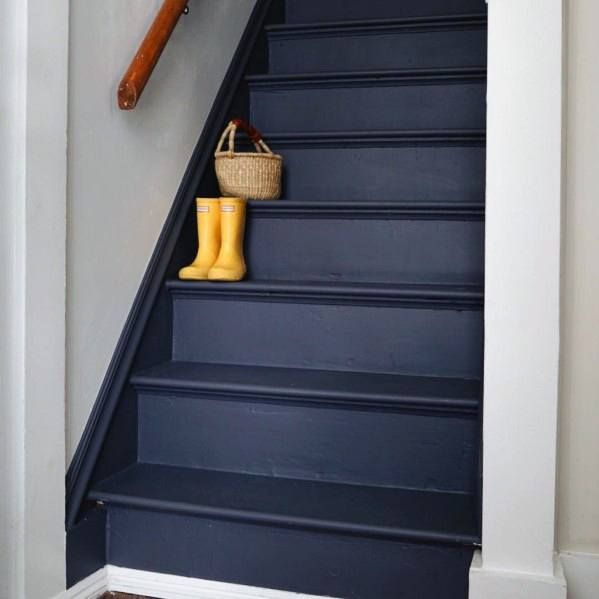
{"points": [[578, 498], [125, 167]]}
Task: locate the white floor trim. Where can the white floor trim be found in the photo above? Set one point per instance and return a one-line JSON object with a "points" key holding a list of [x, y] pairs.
{"points": [[504, 584], [167, 586], [582, 574], [92, 587]]}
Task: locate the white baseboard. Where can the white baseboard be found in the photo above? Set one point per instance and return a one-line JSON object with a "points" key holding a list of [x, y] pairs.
{"points": [[92, 587], [167, 586], [496, 584], [582, 574]]}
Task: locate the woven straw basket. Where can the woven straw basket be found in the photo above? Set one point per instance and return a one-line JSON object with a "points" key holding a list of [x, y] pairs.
{"points": [[254, 175]]}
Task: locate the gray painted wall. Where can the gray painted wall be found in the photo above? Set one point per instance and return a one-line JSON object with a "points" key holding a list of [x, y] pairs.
{"points": [[125, 167]]}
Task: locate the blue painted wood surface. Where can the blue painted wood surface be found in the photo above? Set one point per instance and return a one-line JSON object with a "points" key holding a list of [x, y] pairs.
{"points": [[316, 427]]}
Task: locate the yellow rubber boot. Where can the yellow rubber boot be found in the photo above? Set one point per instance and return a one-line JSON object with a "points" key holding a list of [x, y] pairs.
{"points": [[208, 219], [230, 264]]}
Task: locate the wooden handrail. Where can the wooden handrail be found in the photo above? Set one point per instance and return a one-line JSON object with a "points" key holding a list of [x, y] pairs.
{"points": [[144, 61]]}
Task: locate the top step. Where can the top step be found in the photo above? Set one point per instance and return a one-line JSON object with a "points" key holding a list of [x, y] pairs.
{"points": [[314, 11], [375, 44]]}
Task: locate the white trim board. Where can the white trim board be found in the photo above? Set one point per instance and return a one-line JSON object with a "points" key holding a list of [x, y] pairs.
{"points": [[486, 583], [167, 586], [92, 587], [33, 176], [523, 218], [582, 574]]}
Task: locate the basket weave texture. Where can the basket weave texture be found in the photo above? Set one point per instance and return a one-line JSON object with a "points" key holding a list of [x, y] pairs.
{"points": [[250, 175]]}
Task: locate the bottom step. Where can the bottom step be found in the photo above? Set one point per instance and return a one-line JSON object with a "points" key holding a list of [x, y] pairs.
{"points": [[317, 538]]}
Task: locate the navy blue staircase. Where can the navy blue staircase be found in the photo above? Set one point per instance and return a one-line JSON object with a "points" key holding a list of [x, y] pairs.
{"points": [[315, 428]]}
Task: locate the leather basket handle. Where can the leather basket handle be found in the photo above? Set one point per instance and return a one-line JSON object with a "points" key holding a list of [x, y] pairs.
{"points": [[254, 135]]}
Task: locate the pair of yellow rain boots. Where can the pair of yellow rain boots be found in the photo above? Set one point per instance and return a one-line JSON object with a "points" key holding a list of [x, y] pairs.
{"points": [[221, 228]]}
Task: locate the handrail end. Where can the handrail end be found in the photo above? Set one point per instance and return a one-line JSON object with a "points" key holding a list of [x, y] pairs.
{"points": [[127, 96]]}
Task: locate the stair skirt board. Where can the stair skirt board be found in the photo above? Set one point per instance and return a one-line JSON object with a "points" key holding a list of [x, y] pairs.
{"points": [[167, 586]]}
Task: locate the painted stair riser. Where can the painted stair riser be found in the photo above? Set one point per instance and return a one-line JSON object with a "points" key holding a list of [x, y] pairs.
{"points": [[303, 11], [381, 448], [392, 339], [409, 106], [365, 250], [422, 173], [377, 49], [304, 561]]}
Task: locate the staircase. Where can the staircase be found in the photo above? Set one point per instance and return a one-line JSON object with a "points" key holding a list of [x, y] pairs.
{"points": [[315, 428]]}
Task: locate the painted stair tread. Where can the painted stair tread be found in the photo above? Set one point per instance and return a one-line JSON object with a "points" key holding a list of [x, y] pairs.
{"points": [[369, 77], [312, 207], [320, 386], [355, 293], [376, 25], [376, 138], [304, 11], [412, 515]]}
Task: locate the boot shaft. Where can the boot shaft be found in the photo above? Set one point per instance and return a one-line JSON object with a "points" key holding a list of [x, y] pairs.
{"points": [[232, 222], [230, 264], [208, 223], [209, 239]]}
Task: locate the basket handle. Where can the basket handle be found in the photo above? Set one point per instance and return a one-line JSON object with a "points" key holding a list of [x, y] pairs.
{"points": [[253, 133]]}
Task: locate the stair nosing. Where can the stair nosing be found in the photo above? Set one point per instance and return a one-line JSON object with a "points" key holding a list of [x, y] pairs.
{"points": [[256, 392], [376, 138], [365, 209], [370, 78], [282, 520], [431, 23], [416, 295]]}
